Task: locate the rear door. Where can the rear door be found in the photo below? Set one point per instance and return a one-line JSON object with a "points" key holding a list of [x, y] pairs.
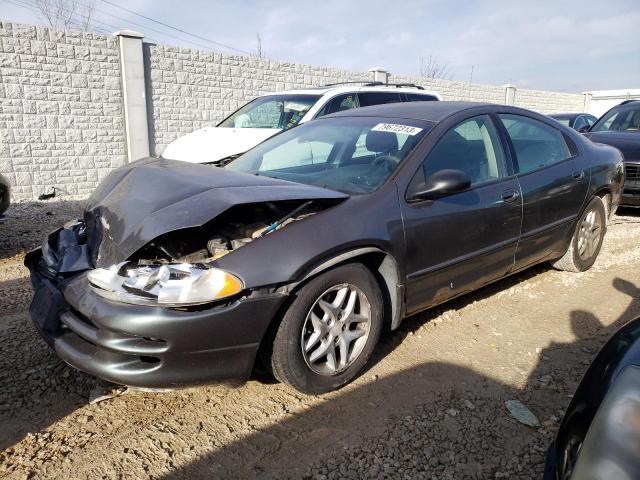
{"points": [[462, 241], [554, 185], [339, 103]]}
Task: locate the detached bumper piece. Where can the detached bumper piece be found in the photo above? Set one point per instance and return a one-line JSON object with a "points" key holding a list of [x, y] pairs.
{"points": [[145, 346]]}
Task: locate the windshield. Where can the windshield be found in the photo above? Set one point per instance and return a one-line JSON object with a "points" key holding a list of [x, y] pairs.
{"points": [[619, 120], [272, 111], [352, 155]]}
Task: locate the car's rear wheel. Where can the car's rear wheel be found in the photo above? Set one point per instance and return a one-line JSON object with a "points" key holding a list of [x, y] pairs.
{"points": [[587, 239], [329, 331]]}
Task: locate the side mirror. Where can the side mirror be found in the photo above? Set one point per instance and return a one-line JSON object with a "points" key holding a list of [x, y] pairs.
{"points": [[440, 184], [584, 129]]}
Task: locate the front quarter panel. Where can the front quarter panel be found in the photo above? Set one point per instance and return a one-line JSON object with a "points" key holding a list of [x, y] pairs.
{"points": [[287, 255]]}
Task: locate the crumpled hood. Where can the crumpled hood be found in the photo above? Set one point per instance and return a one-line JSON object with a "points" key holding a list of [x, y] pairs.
{"points": [[627, 142], [147, 198], [213, 143]]}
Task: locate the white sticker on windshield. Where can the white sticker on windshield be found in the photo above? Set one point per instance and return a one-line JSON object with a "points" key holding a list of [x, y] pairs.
{"points": [[396, 128]]}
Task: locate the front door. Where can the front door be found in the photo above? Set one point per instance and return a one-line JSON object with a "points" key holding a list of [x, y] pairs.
{"points": [[462, 241]]}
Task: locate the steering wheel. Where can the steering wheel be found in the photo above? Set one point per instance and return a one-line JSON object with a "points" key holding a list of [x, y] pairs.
{"points": [[388, 162]]}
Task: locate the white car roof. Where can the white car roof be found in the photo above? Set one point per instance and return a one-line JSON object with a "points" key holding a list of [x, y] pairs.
{"points": [[337, 89]]}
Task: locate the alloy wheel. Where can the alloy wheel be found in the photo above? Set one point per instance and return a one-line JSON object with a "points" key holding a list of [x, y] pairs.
{"points": [[589, 235], [336, 329]]}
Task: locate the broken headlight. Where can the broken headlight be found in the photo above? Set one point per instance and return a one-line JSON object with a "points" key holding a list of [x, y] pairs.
{"points": [[167, 285]]}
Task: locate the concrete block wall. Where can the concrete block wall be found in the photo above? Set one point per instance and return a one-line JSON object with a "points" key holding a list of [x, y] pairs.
{"points": [[549, 102], [61, 104], [61, 118], [190, 89]]}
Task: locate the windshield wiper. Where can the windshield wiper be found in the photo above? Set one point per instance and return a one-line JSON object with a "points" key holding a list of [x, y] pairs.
{"points": [[224, 161]]}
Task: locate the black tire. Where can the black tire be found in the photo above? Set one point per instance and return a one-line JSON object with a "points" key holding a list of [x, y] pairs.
{"points": [[572, 261], [287, 360]]}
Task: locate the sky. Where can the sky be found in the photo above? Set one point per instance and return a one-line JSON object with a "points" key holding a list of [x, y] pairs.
{"points": [[562, 45]]}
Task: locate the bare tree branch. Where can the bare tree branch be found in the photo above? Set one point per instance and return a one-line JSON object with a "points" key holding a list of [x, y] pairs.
{"points": [[259, 53], [432, 69], [67, 13]]}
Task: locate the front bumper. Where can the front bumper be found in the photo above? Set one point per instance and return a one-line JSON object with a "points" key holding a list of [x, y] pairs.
{"points": [[631, 192], [630, 198], [144, 346]]}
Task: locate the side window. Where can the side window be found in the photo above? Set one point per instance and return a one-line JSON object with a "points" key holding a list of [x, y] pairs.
{"points": [[296, 153], [536, 144], [590, 120], [579, 123], [339, 103], [420, 97], [472, 146], [377, 98]]}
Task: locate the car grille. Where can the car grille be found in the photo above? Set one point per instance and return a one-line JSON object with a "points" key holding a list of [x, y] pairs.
{"points": [[632, 172]]}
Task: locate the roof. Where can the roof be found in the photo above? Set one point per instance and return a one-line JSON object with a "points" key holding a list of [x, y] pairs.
{"points": [[568, 115], [629, 102], [427, 111], [353, 88]]}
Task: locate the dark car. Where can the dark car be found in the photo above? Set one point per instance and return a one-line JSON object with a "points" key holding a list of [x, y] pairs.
{"points": [[599, 437], [578, 121], [300, 251], [5, 195], [620, 128]]}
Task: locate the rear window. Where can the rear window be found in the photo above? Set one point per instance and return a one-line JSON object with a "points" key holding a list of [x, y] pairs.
{"points": [[378, 98], [420, 97], [563, 120]]}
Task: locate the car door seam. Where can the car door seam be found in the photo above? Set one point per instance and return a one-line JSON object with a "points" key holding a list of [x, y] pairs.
{"points": [[462, 258], [550, 226]]}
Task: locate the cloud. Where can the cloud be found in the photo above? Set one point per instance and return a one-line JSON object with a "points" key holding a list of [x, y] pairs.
{"points": [[570, 45]]}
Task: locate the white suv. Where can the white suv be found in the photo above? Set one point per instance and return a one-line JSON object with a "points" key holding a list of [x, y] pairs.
{"points": [[267, 115]]}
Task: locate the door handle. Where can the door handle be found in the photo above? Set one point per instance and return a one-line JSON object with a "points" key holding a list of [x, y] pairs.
{"points": [[579, 175], [510, 195]]}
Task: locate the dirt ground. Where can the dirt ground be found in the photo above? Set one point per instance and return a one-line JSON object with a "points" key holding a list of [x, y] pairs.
{"points": [[431, 404]]}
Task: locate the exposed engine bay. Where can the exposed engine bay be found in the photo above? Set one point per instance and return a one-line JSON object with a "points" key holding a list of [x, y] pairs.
{"points": [[236, 227]]}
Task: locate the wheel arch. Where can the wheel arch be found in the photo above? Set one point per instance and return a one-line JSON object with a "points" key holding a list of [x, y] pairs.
{"points": [[606, 195], [382, 265]]}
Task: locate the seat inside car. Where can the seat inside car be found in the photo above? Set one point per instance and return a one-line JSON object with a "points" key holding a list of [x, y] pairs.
{"points": [[455, 152], [382, 143]]}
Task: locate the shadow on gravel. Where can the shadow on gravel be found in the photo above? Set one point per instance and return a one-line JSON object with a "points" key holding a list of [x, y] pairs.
{"points": [[27, 223], [36, 388], [390, 341], [441, 422]]}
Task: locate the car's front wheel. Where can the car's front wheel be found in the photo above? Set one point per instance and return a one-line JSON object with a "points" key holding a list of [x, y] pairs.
{"points": [[329, 331], [587, 239]]}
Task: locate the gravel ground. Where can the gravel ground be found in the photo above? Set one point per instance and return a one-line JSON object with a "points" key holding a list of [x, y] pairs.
{"points": [[431, 405]]}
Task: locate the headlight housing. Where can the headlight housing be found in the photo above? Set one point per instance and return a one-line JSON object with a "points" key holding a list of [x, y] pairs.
{"points": [[166, 285]]}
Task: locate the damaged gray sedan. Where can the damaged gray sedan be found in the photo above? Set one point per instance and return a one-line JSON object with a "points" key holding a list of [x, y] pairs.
{"points": [[298, 254]]}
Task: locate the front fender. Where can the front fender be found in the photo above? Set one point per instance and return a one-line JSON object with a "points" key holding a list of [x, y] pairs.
{"points": [[288, 255], [621, 351]]}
